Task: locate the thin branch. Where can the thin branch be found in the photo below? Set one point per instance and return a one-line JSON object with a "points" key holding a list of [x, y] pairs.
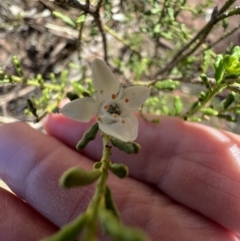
{"points": [[226, 6], [226, 35], [87, 8], [95, 13], [98, 22], [199, 38]]}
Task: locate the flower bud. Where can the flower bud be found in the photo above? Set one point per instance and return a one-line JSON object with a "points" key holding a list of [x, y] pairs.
{"points": [[17, 65], [75, 177]]}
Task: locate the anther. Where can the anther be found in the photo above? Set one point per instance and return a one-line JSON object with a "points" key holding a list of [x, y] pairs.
{"points": [[114, 96]]}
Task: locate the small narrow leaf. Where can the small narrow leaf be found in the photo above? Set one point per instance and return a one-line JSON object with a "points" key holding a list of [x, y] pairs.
{"points": [[205, 81], [219, 70], [76, 177], [31, 107], [119, 170], [109, 203], [71, 231], [167, 84], [81, 19], [230, 99], [88, 136], [177, 106], [209, 111], [128, 147], [66, 19], [117, 231]]}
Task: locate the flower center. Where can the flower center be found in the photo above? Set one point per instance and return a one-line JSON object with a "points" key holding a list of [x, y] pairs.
{"points": [[113, 108]]}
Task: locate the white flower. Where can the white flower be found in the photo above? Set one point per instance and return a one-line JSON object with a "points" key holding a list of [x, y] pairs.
{"points": [[112, 104]]}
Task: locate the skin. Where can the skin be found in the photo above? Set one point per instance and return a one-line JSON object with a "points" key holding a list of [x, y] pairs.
{"points": [[183, 185]]}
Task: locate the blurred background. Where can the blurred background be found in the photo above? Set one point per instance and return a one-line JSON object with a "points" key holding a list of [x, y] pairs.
{"points": [[141, 36]]}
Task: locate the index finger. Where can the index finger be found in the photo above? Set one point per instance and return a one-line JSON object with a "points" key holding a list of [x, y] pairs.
{"points": [[196, 165]]}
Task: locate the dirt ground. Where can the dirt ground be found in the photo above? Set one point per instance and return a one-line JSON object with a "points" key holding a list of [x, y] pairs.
{"points": [[45, 44]]}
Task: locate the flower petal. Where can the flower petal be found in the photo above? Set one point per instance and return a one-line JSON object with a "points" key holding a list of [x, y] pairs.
{"points": [[104, 81], [80, 109], [135, 96], [124, 130]]}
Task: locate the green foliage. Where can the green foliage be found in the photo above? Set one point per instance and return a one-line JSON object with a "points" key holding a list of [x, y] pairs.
{"points": [[117, 231], [76, 177], [167, 84], [110, 204], [88, 136], [231, 62], [119, 170], [218, 66], [71, 231], [66, 19], [128, 147]]}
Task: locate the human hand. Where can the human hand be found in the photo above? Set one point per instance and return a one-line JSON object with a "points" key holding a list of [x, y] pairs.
{"points": [[183, 185]]}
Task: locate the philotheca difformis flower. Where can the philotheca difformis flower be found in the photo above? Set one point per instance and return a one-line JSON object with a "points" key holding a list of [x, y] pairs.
{"points": [[113, 104]]}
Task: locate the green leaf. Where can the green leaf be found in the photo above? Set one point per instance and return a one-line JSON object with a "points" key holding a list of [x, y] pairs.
{"points": [[209, 111], [76, 177], [71, 231], [31, 107], [66, 19], [177, 106], [81, 19], [119, 170], [205, 81], [167, 84], [219, 70], [229, 100], [110, 204], [231, 64], [117, 231], [171, 14], [128, 147], [88, 136], [228, 118]]}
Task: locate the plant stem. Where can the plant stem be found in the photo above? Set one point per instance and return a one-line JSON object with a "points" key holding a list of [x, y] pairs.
{"points": [[208, 97], [98, 198]]}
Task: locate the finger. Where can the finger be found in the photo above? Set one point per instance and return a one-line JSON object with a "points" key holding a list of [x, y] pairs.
{"points": [[196, 165], [31, 164], [21, 222]]}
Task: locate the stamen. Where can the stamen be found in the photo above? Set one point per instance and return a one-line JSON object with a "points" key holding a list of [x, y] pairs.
{"points": [[113, 108], [106, 107], [114, 96], [99, 118], [126, 100], [123, 121], [115, 115]]}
